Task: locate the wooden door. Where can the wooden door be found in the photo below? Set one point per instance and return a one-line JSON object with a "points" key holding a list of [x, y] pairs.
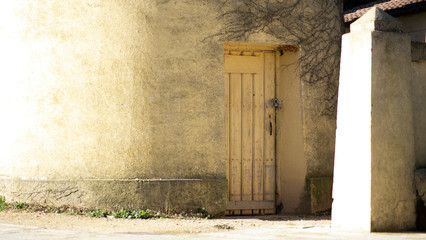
{"points": [[250, 131]]}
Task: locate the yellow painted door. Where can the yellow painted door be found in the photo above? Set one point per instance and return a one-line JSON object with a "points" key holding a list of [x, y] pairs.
{"points": [[250, 131]]}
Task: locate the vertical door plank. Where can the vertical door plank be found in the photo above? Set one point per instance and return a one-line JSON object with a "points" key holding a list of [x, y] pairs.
{"points": [[269, 162], [227, 127], [235, 139], [259, 123], [247, 139]]}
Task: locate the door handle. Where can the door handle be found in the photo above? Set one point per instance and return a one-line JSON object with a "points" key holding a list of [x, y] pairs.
{"points": [[270, 128]]}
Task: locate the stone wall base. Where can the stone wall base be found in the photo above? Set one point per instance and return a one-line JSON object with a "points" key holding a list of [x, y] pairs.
{"points": [[420, 182], [161, 195], [321, 191]]}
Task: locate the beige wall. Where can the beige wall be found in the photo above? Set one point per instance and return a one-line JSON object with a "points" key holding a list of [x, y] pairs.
{"points": [[373, 188], [392, 143], [290, 158], [112, 89], [418, 66], [414, 25], [353, 134], [123, 90], [318, 119]]}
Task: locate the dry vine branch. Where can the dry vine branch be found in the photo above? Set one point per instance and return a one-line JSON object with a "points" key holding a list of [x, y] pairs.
{"points": [[316, 26]]}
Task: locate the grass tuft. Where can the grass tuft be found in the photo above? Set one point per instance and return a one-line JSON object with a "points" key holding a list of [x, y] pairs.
{"points": [[101, 213], [3, 204], [21, 205]]}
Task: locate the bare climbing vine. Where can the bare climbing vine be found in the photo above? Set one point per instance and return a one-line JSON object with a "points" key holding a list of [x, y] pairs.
{"points": [[316, 26]]}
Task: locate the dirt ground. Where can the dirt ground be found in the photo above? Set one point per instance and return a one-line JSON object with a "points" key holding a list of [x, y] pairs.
{"points": [[157, 226]]}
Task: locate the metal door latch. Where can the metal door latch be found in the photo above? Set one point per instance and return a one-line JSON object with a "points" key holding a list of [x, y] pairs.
{"points": [[277, 103]]}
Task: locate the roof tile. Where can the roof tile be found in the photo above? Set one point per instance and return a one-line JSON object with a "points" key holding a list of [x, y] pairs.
{"points": [[385, 5]]}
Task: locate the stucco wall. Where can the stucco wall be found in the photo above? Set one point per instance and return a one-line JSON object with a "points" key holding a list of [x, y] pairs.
{"points": [[351, 163], [290, 155], [375, 149], [392, 148], [129, 91], [414, 25], [319, 100], [101, 89], [111, 90], [418, 72], [319, 91]]}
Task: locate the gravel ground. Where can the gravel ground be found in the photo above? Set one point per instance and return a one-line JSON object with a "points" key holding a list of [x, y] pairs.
{"points": [[27, 225], [158, 226]]}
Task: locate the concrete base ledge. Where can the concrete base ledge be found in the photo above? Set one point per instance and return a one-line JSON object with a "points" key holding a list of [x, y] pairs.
{"points": [[155, 194], [321, 193], [420, 181]]}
